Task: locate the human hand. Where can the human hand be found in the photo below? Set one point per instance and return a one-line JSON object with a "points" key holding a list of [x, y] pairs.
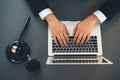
{"points": [[83, 29], [58, 30]]}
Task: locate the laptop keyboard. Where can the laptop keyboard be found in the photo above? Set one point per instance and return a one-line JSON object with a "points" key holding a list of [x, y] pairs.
{"points": [[89, 47]]}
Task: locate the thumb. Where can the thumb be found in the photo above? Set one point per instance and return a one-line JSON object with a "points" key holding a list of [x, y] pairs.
{"points": [[67, 31]]}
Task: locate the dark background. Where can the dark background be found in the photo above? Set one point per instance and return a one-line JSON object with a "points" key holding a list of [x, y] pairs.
{"points": [[12, 17]]}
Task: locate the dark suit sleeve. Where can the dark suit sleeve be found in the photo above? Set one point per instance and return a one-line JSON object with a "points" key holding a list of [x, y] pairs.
{"points": [[110, 8], [37, 5]]}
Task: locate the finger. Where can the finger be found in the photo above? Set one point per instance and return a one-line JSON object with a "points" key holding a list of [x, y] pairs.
{"points": [[75, 37], [63, 39], [66, 38], [83, 38], [52, 36], [59, 40], [88, 38], [74, 31], [79, 38], [55, 40], [67, 31]]}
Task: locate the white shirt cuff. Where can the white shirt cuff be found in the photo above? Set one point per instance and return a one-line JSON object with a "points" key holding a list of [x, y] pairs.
{"points": [[44, 13], [100, 16]]}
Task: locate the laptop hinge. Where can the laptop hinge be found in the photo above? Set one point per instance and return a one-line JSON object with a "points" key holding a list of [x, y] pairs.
{"points": [[76, 56]]}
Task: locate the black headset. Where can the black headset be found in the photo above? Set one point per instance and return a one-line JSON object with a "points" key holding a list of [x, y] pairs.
{"points": [[18, 52]]}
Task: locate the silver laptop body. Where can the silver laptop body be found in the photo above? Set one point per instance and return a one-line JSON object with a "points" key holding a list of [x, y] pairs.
{"points": [[87, 54]]}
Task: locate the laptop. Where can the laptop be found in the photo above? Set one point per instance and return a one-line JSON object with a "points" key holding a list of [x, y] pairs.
{"points": [[89, 53]]}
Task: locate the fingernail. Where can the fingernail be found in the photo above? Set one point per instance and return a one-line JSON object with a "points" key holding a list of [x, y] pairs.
{"points": [[76, 44], [62, 46], [66, 44], [81, 43]]}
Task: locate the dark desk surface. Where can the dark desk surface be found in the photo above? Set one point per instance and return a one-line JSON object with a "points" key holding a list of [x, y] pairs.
{"points": [[12, 16]]}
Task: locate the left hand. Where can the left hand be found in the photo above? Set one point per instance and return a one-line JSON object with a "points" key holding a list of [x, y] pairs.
{"points": [[83, 29]]}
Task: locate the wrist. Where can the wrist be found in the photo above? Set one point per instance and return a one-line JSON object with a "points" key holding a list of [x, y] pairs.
{"points": [[94, 19], [51, 17]]}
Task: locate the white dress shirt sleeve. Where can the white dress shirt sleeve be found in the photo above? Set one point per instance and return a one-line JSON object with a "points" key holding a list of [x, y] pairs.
{"points": [[44, 13], [100, 16]]}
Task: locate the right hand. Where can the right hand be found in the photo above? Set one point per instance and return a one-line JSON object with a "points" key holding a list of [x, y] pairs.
{"points": [[58, 30]]}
